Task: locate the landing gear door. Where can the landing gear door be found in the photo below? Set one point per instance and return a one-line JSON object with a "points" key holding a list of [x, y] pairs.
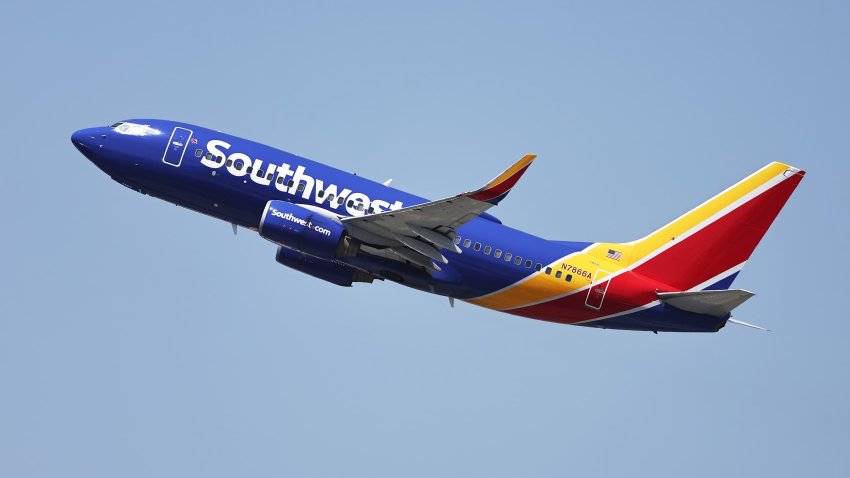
{"points": [[177, 145], [598, 288]]}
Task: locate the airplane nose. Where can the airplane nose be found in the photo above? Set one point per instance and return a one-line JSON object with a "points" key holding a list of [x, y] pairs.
{"points": [[81, 140], [86, 141]]}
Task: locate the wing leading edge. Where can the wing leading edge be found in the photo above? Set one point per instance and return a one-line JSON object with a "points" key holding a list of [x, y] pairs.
{"points": [[417, 233]]}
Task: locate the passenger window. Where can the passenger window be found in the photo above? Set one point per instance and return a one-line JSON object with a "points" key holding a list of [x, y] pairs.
{"points": [[220, 159], [260, 173], [239, 165], [330, 197], [498, 253], [290, 183], [270, 176], [558, 275], [487, 250], [508, 256], [280, 179], [477, 246], [457, 239], [360, 207], [229, 163], [467, 243], [518, 260], [549, 271], [527, 264], [199, 153], [370, 210], [350, 203], [321, 193], [301, 186], [569, 277], [209, 156], [538, 266], [250, 168]]}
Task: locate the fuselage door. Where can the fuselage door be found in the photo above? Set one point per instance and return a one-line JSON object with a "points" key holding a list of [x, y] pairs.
{"points": [[598, 288], [177, 145]]}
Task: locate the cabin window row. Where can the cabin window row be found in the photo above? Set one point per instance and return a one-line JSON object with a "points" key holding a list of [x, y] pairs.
{"points": [[558, 274], [498, 253]]}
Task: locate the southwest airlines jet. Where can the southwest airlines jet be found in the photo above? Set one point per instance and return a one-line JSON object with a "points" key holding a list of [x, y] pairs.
{"points": [[343, 228]]}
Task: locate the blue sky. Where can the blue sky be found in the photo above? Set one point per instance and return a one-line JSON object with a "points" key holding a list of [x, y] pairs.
{"points": [[140, 339]]}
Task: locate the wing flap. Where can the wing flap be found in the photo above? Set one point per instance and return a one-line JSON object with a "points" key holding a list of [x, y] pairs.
{"points": [[434, 237], [421, 247]]}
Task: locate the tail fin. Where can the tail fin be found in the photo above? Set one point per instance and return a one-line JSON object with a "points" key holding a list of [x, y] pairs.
{"points": [[706, 247]]}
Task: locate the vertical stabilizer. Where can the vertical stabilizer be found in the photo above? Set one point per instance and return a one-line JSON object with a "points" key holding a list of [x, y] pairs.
{"points": [[706, 247]]}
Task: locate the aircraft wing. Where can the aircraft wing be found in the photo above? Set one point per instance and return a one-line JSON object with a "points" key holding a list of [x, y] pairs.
{"points": [[417, 233]]}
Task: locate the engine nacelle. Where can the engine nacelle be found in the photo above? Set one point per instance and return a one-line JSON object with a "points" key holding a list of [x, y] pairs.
{"points": [[326, 270], [306, 230]]}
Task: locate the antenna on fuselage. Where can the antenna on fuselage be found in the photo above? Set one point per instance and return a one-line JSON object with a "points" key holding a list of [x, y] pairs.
{"points": [[234, 227]]}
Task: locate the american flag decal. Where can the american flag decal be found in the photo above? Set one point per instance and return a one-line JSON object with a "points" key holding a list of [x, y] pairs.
{"points": [[616, 255]]}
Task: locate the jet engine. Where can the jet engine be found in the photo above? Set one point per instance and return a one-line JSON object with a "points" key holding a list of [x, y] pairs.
{"points": [[330, 271], [311, 231]]}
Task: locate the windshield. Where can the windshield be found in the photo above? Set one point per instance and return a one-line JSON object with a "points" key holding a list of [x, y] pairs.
{"points": [[134, 129]]}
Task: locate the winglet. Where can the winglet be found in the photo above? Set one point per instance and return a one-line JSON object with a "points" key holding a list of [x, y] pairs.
{"points": [[499, 187]]}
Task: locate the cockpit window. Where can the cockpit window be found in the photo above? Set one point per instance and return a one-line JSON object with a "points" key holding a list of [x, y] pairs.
{"points": [[134, 129]]}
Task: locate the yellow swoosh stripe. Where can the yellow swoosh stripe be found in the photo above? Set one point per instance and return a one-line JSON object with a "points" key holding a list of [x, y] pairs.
{"points": [[541, 287]]}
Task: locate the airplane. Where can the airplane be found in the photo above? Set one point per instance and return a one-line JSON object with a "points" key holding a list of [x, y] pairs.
{"points": [[346, 229]]}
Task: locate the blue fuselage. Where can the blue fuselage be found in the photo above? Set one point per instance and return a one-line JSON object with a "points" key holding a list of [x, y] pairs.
{"points": [[344, 228], [179, 163]]}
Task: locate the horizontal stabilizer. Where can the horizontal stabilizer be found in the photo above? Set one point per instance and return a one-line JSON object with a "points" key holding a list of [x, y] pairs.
{"points": [[717, 303]]}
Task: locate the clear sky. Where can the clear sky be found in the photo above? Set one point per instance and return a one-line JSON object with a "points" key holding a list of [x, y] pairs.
{"points": [[139, 339]]}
